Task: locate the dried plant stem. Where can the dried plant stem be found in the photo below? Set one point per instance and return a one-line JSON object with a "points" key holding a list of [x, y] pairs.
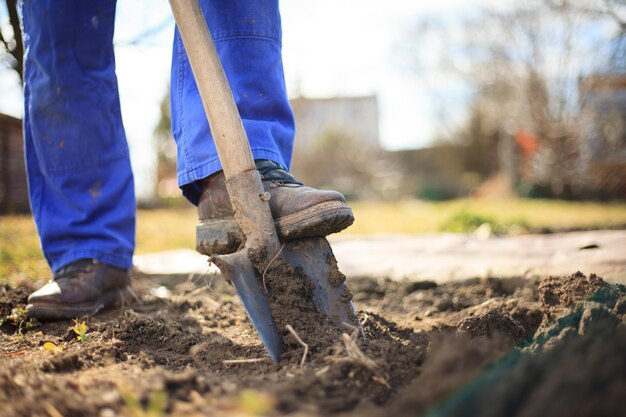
{"points": [[348, 326], [240, 361], [356, 356], [52, 411], [306, 347], [270, 263], [18, 353]]}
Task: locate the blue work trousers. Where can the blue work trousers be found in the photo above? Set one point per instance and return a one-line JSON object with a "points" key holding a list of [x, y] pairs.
{"points": [[80, 179]]}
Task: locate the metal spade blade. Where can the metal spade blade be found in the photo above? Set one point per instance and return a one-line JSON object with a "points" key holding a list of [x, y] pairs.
{"points": [[238, 269], [330, 294]]}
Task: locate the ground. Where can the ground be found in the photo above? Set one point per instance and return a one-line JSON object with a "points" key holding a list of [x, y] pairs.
{"points": [[552, 347], [495, 322]]}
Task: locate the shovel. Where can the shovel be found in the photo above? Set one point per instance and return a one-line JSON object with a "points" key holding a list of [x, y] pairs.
{"points": [[249, 200]]}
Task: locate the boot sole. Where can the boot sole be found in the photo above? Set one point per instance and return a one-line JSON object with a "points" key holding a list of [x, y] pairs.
{"points": [[221, 236], [55, 311]]}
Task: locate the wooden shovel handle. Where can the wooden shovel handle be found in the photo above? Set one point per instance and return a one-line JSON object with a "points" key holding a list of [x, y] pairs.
{"points": [[228, 133]]}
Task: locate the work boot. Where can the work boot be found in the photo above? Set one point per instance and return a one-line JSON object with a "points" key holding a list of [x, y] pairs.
{"points": [[298, 211], [81, 288]]}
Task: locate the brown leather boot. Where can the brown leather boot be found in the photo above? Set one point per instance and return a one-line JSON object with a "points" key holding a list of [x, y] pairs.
{"points": [[298, 211], [81, 288]]}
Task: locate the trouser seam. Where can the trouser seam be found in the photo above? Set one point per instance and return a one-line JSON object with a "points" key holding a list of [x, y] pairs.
{"points": [[119, 260], [181, 105], [258, 37]]}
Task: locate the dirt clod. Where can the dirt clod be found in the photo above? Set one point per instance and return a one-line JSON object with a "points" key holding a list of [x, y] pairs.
{"points": [[558, 293], [494, 321], [335, 276]]}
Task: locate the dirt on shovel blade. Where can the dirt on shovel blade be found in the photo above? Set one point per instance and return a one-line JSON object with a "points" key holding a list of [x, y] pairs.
{"points": [[487, 347]]}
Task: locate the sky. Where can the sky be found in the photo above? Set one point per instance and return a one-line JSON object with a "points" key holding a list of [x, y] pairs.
{"points": [[330, 48]]}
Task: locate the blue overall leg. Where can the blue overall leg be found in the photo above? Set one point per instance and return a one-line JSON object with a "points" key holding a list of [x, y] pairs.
{"points": [[247, 36], [80, 180]]}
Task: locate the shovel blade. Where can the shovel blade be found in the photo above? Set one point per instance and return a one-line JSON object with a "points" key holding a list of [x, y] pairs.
{"points": [[238, 269], [330, 294]]}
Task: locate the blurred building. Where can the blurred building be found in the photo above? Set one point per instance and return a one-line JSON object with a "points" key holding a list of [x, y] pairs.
{"points": [[351, 116], [337, 145], [13, 184]]}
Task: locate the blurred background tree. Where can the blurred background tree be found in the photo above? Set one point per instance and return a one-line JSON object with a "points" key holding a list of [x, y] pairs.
{"points": [[541, 109], [531, 70], [11, 46], [341, 161], [167, 184]]}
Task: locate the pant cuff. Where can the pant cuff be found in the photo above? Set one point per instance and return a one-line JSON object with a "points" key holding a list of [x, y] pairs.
{"points": [[113, 259], [187, 181]]}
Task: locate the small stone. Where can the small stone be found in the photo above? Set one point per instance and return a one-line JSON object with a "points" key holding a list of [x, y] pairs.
{"points": [[491, 322], [107, 412], [620, 307], [483, 232], [565, 335], [592, 315], [444, 303], [420, 286]]}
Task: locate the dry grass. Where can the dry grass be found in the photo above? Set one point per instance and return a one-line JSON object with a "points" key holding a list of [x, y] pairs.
{"points": [[427, 217], [163, 229], [21, 257]]}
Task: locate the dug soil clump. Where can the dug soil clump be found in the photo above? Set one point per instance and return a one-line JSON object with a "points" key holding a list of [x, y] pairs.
{"points": [[290, 294], [559, 293], [346, 367], [478, 347]]}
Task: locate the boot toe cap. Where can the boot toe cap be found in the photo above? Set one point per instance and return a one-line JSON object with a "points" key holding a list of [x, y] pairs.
{"points": [[50, 292]]}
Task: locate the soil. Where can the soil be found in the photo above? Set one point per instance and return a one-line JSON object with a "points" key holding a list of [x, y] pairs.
{"points": [[515, 347]]}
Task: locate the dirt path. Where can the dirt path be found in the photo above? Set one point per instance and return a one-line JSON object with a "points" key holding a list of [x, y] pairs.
{"points": [[450, 257], [475, 347], [445, 257]]}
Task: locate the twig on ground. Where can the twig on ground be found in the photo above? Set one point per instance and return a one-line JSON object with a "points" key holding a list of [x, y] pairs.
{"points": [[356, 354], [270, 263], [52, 411], [350, 327], [208, 285], [240, 361], [306, 347], [208, 299], [18, 353], [198, 290], [322, 371], [381, 381], [134, 295]]}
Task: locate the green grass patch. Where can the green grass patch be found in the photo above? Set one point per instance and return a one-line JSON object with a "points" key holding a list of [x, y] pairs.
{"points": [[467, 222]]}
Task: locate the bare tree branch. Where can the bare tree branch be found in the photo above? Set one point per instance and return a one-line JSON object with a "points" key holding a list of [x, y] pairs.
{"points": [[4, 42], [587, 8], [14, 47]]}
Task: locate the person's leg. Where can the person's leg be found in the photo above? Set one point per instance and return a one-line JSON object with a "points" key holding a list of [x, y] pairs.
{"points": [[247, 36], [80, 180]]}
